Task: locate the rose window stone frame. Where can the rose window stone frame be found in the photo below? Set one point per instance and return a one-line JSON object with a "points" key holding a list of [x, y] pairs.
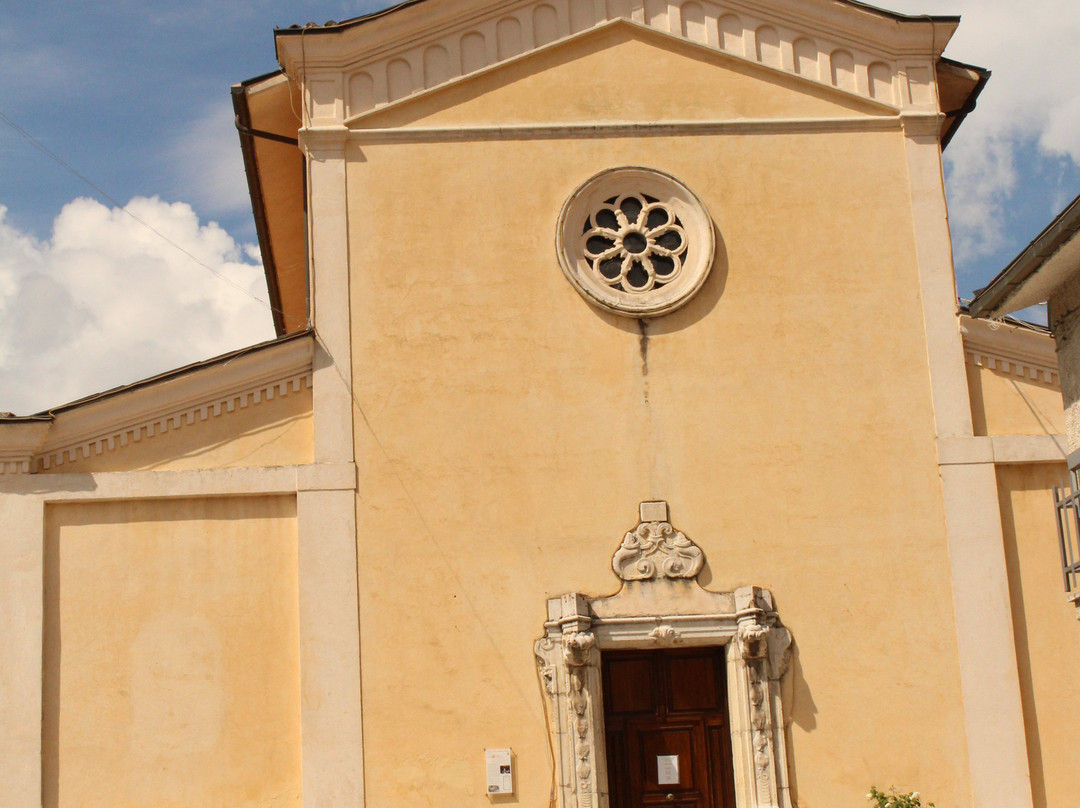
{"points": [[635, 241]]}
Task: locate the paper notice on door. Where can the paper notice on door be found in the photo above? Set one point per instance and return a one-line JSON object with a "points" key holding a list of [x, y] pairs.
{"points": [[667, 770]]}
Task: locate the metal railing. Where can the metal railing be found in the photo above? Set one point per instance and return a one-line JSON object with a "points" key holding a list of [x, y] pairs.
{"points": [[1067, 503]]}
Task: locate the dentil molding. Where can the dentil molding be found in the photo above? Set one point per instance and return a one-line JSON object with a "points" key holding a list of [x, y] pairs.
{"points": [[1025, 352], [170, 422], [146, 410]]}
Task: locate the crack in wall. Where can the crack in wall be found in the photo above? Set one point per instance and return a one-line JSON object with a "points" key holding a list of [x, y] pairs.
{"points": [[643, 348], [658, 477]]}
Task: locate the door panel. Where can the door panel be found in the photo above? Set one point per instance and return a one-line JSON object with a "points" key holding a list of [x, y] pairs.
{"points": [[633, 690], [663, 708], [693, 684], [671, 740]]}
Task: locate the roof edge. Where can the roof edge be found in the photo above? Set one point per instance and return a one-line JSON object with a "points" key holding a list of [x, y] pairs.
{"points": [[333, 26], [993, 299], [258, 206], [169, 375], [958, 116]]}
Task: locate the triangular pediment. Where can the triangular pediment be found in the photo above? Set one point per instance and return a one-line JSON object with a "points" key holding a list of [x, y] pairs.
{"points": [[621, 72], [354, 68]]}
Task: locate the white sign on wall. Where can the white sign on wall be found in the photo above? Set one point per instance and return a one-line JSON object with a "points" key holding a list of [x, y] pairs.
{"points": [[500, 775], [667, 770]]}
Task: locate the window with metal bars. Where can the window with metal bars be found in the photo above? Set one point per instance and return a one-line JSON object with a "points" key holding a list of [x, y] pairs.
{"points": [[1067, 503]]}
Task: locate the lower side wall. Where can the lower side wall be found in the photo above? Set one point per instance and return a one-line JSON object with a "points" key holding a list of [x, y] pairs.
{"points": [[1046, 630], [171, 654]]}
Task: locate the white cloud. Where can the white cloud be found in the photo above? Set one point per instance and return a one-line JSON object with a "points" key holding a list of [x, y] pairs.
{"points": [[208, 164], [106, 301], [1062, 132], [980, 183], [1030, 102]]}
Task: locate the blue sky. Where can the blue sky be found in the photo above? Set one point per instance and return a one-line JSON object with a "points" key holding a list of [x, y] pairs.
{"points": [[135, 96]]}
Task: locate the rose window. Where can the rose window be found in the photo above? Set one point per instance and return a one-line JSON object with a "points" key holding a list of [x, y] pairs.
{"points": [[635, 241]]}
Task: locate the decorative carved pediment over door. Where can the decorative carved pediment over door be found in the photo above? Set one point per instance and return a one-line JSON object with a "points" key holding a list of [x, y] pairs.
{"points": [[661, 604]]}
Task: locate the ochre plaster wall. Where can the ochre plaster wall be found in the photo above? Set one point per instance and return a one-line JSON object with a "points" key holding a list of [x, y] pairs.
{"points": [[277, 432], [171, 654], [1047, 632], [1006, 404], [509, 430]]}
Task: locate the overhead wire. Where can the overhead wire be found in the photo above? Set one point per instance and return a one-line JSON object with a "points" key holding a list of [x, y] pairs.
{"points": [[441, 551], [37, 144], [427, 529], [1040, 418]]}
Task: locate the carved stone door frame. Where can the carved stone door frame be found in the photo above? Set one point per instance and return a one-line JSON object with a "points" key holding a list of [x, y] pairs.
{"points": [[661, 604]]}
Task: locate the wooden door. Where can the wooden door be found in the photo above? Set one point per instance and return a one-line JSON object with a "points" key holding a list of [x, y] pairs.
{"points": [[665, 718]]}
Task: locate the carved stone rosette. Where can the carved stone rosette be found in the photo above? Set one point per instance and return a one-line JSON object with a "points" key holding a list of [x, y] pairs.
{"points": [[580, 629]]}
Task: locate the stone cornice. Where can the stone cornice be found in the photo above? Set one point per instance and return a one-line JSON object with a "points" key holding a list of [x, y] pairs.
{"points": [[1026, 353], [156, 425], [1017, 365], [147, 411], [1001, 449], [352, 70], [744, 126], [922, 124], [401, 28], [324, 142], [19, 441], [159, 484]]}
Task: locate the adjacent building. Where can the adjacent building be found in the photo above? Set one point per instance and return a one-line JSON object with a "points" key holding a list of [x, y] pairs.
{"points": [[1048, 271]]}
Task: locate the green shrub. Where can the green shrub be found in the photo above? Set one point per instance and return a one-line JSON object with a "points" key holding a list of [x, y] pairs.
{"points": [[894, 800]]}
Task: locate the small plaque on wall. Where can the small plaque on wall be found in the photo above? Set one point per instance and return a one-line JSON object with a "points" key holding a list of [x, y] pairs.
{"points": [[499, 771], [667, 770]]}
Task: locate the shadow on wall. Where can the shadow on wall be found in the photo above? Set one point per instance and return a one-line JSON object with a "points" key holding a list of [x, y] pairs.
{"points": [[802, 711], [1009, 481]]}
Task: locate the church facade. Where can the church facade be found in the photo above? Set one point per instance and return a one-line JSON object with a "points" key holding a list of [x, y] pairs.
{"points": [[622, 445]]}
